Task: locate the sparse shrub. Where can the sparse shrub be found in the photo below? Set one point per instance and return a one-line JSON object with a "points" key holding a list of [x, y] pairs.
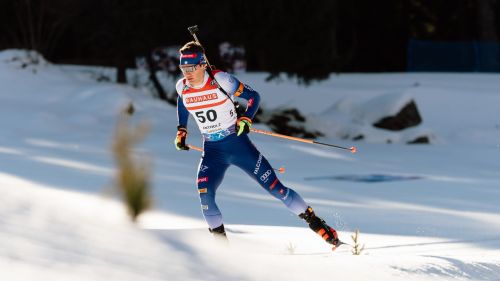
{"points": [[290, 248], [132, 174], [357, 248]]}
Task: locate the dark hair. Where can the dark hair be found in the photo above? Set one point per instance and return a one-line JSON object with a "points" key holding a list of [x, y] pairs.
{"points": [[192, 47]]}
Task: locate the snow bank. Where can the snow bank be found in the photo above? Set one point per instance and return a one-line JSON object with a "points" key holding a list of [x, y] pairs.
{"points": [[58, 221]]}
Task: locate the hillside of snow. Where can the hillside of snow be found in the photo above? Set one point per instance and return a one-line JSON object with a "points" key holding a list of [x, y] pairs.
{"points": [[425, 212]]}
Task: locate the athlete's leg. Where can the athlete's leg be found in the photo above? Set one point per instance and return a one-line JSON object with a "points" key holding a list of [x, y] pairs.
{"points": [[255, 164], [250, 160], [210, 175]]}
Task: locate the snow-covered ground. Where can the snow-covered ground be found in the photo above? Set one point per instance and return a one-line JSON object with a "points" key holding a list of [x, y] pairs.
{"points": [[439, 218]]}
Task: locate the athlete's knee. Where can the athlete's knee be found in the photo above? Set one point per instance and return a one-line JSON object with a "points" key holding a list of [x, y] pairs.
{"points": [[289, 197], [278, 190], [207, 200]]}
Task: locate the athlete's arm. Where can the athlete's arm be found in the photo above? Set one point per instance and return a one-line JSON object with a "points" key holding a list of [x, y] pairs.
{"points": [[253, 99], [182, 112], [237, 89]]}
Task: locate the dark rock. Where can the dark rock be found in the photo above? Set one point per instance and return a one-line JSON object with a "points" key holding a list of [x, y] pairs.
{"points": [[358, 137], [421, 139], [285, 122], [408, 116], [295, 114]]}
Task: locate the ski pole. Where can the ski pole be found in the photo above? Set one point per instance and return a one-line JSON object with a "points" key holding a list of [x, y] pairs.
{"points": [[195, 147], [352, 148], [281, 170]]}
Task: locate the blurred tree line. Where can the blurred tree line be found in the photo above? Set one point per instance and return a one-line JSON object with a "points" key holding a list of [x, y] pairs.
{"points": [[309, 39]]}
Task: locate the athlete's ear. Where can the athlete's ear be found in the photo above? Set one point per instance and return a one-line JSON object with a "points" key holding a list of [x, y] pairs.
{"points": [[204, 66]]}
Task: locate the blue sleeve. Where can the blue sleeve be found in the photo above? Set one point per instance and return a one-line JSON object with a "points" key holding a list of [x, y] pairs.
{"points": [[234, 87], [252, 97], [182, 113]]}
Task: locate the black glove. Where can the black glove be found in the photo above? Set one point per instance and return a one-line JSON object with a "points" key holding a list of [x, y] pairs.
{"points": [[180, 139]]}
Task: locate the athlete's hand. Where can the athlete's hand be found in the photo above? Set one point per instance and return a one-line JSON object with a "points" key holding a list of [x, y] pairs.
{"points": [[180, 139], [243, 125]]}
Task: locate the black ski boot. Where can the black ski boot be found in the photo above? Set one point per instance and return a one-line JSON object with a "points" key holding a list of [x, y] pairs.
{"points": [[319, 226], [219, 232]]}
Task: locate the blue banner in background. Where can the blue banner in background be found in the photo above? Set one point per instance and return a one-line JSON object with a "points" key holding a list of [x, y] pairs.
{"points": [[453, 56]]}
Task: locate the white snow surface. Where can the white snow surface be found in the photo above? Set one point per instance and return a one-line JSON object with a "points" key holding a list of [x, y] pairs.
{"points": [[61, 220]]}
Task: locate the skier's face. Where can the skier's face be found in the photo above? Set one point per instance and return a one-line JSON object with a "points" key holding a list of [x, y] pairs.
{"points": [[194, 74]]}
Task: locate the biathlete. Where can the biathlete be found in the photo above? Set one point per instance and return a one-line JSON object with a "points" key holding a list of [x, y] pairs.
{"points": [[209, 97]]}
